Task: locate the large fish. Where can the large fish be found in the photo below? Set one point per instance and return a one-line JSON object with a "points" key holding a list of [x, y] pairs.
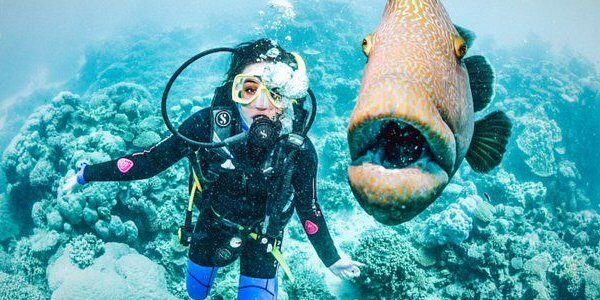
{"points": [[414, 121]]}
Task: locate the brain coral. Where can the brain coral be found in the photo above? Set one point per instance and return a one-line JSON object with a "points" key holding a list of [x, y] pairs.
{"points": [[452, 225]]}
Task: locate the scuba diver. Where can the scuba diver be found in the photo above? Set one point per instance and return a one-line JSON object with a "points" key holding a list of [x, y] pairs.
{"points": [[252, 166]]}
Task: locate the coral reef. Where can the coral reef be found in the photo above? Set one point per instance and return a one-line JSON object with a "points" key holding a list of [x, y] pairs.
{"points": [[539, 140], [8, 223], [110, 276], [84, 249], [15, 287], [308, 284], [60, 136], [391, 270], [452, 225], [31, 255]]}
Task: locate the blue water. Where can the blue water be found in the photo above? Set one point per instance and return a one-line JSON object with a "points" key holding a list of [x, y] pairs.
{"points": [[536, 237]]}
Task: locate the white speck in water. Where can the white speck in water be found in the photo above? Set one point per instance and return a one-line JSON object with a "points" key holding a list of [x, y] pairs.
{"points": [[310, 51]]}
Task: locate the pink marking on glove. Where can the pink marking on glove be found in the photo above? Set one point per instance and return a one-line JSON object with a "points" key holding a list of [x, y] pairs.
{"points": [[310, 227], [124, 165]]}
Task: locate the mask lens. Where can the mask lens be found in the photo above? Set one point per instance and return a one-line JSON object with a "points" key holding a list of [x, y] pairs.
{"points": [[247, 88], [250, 88]]}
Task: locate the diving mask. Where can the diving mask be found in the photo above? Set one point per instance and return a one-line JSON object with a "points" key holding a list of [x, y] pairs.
{"points": [[247, 88]]}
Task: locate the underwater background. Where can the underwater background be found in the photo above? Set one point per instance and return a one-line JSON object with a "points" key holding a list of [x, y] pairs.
{"points": [[84, 83]]}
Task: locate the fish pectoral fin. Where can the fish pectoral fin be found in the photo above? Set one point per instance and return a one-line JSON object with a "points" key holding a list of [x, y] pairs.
{"points": [[468, 35], [488, 144], [481, 79]]}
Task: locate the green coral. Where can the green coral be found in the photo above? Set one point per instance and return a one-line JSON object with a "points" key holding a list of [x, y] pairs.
{"points": [[309, 281], [226, 283], [31, 255], [308, 284], [15, 287]]}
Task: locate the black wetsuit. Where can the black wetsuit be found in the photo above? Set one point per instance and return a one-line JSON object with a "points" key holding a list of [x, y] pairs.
{"points": [[237, 194]]}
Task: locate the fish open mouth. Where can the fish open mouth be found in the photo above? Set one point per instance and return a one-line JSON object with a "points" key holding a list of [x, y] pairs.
{"points": [[398, 145], [395, 144], [397, 169]]}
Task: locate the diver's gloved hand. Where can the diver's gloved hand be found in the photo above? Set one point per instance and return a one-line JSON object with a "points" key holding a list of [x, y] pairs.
{"points": [[346, 268], [74, 180], [69, 185]]}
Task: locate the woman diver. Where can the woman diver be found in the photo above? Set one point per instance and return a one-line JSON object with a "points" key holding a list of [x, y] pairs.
{"points": [[250, 186]]}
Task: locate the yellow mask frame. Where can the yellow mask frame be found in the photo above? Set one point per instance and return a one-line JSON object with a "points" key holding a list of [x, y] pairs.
{"points": [[237, 88]]}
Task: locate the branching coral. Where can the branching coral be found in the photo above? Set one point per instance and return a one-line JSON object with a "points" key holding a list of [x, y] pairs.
{"points": [[32, 254], [16, 287]]}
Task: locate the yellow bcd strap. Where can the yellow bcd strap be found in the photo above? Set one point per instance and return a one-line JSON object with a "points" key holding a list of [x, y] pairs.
{"points": [[195, 187], [279, 257], [277, 254]]}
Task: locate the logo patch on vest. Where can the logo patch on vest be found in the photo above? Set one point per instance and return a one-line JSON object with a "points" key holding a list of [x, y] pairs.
{"points": [[124, 165], [310, 227], [223, 118]]}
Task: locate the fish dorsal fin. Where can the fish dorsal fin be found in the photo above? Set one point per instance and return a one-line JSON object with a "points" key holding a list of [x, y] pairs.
{"points": [[468, 35], [488, 145], [481, 79]]}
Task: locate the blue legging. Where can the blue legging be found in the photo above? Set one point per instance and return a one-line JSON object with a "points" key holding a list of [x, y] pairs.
{"points": [[199, 280]]}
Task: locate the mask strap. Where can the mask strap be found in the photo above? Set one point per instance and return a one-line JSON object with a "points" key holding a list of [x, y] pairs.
{"points": [[300, 62]]}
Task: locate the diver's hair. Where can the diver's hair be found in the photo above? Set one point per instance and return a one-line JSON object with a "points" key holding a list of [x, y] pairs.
{"points": [[254, 52]]}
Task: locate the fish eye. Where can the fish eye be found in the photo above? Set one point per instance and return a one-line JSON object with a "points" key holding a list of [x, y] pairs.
{"points": [[460, 47], [367, 45]]}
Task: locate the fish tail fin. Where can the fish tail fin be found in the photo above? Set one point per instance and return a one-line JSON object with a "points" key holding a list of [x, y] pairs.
{"points": [[468, 35], [481, 78], [488, 145]]}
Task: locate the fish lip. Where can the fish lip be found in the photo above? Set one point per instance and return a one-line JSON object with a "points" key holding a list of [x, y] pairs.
{"points": [[400, 194], [365, 135]]}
